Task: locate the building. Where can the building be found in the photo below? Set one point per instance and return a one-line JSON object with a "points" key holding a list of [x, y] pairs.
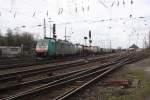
{"points": [[10, 51], [134, 46]]}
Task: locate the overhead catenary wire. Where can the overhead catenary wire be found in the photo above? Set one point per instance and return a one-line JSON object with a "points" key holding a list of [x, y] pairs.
{"points": [[14, 11], [112, 4], [61, 11], [102, 3], [118, 3], [87, 21], [34, 14], [19, 13], [123, 3]]}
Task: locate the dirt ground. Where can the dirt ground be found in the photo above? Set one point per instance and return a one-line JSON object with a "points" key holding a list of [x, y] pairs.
{"points": [[135, 84]]}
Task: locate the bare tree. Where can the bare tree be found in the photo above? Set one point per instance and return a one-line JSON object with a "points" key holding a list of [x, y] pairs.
{"points": [[9, 36]]}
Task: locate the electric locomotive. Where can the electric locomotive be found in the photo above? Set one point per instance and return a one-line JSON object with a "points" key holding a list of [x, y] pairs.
{"points": [[50, 47]]}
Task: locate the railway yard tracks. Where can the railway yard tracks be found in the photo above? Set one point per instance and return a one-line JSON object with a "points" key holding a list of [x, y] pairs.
{"points": [[24, 62], [19, 73], [61, 86]]}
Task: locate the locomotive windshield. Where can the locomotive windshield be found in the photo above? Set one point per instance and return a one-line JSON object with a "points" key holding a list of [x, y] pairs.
{"points": [[42, 43]]}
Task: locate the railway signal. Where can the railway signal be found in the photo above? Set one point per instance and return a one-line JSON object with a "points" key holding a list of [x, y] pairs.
{"points": [[54, 31], [89, 33], [85, 38], [90, 41]]}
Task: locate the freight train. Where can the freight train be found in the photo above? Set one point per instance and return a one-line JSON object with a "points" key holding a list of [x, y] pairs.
{"points": [[49, 47]]}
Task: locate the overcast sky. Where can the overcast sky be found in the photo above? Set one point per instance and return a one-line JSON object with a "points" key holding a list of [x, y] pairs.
{"points": [[115, 20]]}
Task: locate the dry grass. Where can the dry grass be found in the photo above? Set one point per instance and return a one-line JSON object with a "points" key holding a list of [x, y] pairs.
{"points": [[137, 93]]}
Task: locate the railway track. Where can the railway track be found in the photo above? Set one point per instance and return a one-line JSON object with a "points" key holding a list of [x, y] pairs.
{"points": [[7, 83], [24, 62], [30, 62], [52, 77], [58, 81], [15, 60], [68, 94], [14, 74]]}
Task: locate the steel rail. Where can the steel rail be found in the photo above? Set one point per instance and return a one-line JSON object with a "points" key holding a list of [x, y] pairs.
{"points": [[49, 79], [28, 63], [42, 80], [27, 73], [47, 86], [57, 83], [77, 90]]}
